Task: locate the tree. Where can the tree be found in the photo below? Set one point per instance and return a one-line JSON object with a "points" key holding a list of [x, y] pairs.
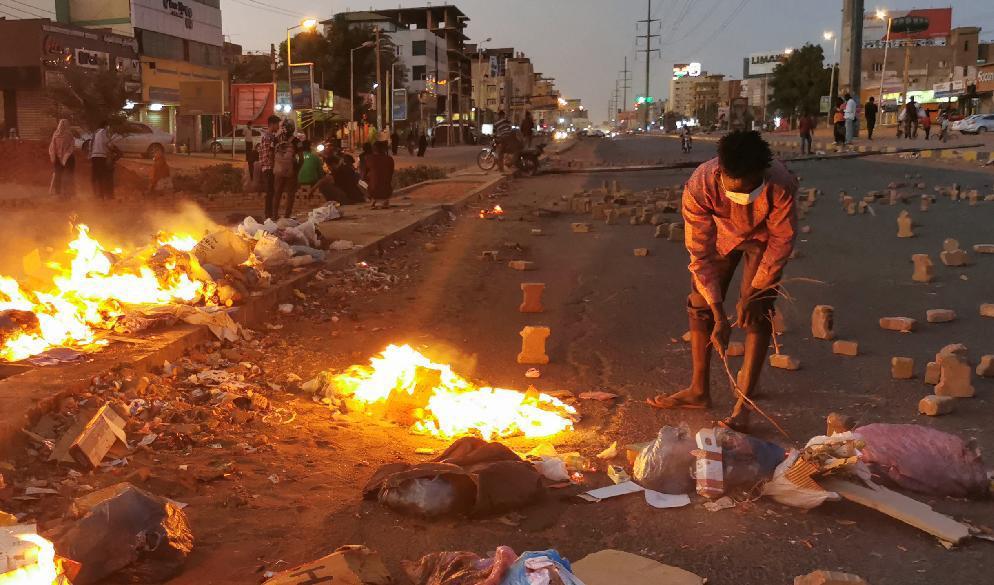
{"points": [[253, 69], [90, 98], [799, 82]]}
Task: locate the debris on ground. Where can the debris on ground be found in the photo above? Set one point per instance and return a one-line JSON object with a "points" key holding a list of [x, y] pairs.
{"points": [[611, 567], [829, 578], [538, 567], [348, 565], [460, 568], [664, 465]]}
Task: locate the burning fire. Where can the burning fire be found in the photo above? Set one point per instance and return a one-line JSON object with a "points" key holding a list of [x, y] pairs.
{"points": [[42, 572], [91, 291], [405, 386], [497, 211]]}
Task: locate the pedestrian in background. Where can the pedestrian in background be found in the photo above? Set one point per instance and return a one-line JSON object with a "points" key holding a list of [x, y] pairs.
{"points": [[839, 121], [61, 153], [101, 178], [267, 154], [379, 175], [158, 173], [284, 167], [943, 126], [870, 112], [850, 117], [926, 123], [805, 127], [910, 118], [367, 149], [422, 144], [394, 142], [528, 129]]}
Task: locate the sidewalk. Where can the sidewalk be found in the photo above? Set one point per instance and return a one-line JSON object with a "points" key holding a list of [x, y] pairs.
{"points": [[977, 148]]}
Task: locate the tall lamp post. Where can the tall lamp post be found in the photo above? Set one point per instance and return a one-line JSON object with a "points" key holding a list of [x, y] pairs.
{"points": [[480, 93], [882, 14], [830, 36], [365, 45], [308, 24]]}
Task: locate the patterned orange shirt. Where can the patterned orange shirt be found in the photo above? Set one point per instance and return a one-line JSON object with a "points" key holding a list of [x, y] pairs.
{"points": [[714, 226]]}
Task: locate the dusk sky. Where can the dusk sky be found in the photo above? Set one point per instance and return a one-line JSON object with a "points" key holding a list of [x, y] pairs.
{"points": [[582, 43]]}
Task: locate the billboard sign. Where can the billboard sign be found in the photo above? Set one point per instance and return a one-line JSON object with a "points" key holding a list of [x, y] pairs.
{"points": [[686, 70], [985, 79], [202, 98], [185, 19], [399, 105], [928, 27], [760, 64], [302, 86], [252, 103]]}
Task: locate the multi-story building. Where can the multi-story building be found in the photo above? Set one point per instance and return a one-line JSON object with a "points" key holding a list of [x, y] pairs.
{"points": [[489, 92], [519, 86], [545, 101], [429, 43], [34, 53], [706, 97], [681, 100], [729, 89], [184, 79]]}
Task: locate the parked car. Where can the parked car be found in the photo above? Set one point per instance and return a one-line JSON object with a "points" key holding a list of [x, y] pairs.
{"points": [[223, 143], [977, 124], [957, 124], [137, 138]]}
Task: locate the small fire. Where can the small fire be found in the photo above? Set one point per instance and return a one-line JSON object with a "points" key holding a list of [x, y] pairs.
{"points": [[496, 212], [91, 292], [42, 571], [407, 387]]}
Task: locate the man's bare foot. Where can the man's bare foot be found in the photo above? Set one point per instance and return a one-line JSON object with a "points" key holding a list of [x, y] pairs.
{"points": [[688, 398], [737, 422]]}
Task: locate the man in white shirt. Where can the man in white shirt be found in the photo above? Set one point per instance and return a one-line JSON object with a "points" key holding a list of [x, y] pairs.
{"points": [[100, 163], [850, 115]]}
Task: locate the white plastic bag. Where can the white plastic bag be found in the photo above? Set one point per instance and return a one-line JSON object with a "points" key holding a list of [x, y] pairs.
{"points": [[786, 492], [272, 251], [222, 248], [664, 465], [552, 468], [326, 212]]}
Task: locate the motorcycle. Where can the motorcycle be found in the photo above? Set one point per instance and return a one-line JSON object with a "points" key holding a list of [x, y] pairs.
{"points": [[487, 159], [528, 161], [685, 143]]}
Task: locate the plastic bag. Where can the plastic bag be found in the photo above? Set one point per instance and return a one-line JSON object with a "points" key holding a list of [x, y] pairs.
{"points": [[786, 492], [664, 465], [429, 497], [272, 251], [747, 460], [552, 468], [326, 212], [924, 460], [540, 568], [222, 248], [460, 568]]}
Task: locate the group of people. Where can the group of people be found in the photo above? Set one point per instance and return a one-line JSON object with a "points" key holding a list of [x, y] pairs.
{"points": [[285, 161]]}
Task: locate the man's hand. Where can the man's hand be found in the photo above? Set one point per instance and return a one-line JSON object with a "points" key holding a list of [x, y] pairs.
{"points": [[752, 309], [722, 329]]}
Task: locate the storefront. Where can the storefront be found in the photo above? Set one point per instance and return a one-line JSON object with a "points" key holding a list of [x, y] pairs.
{"points": [[984, 88], [34, 55]]}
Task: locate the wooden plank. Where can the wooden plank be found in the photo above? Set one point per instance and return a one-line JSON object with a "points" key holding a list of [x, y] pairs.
{"points": [[901, 507]]}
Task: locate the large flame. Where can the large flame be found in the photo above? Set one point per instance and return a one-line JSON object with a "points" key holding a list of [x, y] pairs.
{"points": [[90, 292], [42, 571], [442, 403]]}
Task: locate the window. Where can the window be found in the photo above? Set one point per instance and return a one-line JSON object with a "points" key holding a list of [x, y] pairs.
{"points": [[878, 67], [419, 48], [153, 44], [419, 72], [942, 64], [204, 54], [966, 45]]}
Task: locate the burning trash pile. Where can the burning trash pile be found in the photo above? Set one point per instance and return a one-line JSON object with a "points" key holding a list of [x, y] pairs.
{"points": [[77, 297], [404, 386], [494, 213]]}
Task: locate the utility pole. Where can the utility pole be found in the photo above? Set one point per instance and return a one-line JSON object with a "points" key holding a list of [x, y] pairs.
{"points": [[648, 50], [272, 60], [626, 78], [379, 85]]}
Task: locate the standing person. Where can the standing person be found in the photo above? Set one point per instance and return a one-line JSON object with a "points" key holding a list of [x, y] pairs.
{"points": [[839, 121], [943, 126], [926, 123], [367, 149], [738, 208], [870, 112], [267, 155], [284, 166], [910, 119], [850, 116], [250, 154], [805, 126], [61, 153], [101, 163], [310, 172], [528, 129], [159, 172], [422, 144], [412, 140], [394, 142], [379, 175]]}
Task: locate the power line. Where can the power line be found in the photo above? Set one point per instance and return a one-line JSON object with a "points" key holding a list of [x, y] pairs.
{"points": [[15, 8], [266, 8], [270, 6], [707, 15], [722, 27], [33, 6]]}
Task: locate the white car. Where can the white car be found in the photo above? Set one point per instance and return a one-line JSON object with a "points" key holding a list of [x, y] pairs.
{"points": [[137, 138], [223, 143], [978, 124], [958, 124]]}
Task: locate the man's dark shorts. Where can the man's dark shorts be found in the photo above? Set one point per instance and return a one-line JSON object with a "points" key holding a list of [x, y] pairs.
{"points": [[750, 255]]}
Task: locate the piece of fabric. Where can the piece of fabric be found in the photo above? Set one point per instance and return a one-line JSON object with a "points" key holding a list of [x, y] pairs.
{"points": [[310, 169], [750, 255], [502, 128], [460, 568], [62, 145], [714, 226], [850, 111], [100, 145]]}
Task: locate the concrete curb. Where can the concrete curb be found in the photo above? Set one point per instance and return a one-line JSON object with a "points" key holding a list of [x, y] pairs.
{"points": [[944, 152], [26, 396]]}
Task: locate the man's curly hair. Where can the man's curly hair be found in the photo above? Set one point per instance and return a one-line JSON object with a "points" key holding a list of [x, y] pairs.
{"points": [[744, 153]]}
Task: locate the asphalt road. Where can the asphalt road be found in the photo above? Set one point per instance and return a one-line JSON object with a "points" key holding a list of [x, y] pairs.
{"points": [[616, 320]]}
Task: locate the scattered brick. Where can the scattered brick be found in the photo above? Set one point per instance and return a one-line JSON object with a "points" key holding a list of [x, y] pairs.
{"points": [[933, 405], [785, 362], [898, 323], [902, 368], [842, 347], [940, 315]]}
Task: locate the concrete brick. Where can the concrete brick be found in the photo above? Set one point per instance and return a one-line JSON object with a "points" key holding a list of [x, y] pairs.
{"points": [[924, 269], [580, 228], [785, 362], [950, 245], [829, 578], [954, 377], [953, 349], [675, 233], [940, 315], [641, 251], [986, 367], [898, 323], [904, 225], [953, 257], [925, 202], [611, 216], [932, 373], [823, 322], [933, 405], [685, 337], [532, 297], [533, 345], [842, 347], [987, 310], [902, 368], [522, 265], [662, 231]]}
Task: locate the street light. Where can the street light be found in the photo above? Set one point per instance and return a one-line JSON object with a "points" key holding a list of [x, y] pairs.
{"points": [[308, 25], [365, 45], [448, 107], [480, 94], [882, 14], [830, 36]]}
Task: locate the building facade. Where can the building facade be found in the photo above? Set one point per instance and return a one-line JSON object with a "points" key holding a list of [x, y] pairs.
{"points": [[180, 46], [34, 53], [489, 68]]}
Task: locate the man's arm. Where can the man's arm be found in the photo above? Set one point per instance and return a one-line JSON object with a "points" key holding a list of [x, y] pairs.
{"points": [[781, 225], [701, 239]]}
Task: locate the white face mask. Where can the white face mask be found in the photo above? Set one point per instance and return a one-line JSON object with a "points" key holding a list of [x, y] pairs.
{"points": [[743, 198]]}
